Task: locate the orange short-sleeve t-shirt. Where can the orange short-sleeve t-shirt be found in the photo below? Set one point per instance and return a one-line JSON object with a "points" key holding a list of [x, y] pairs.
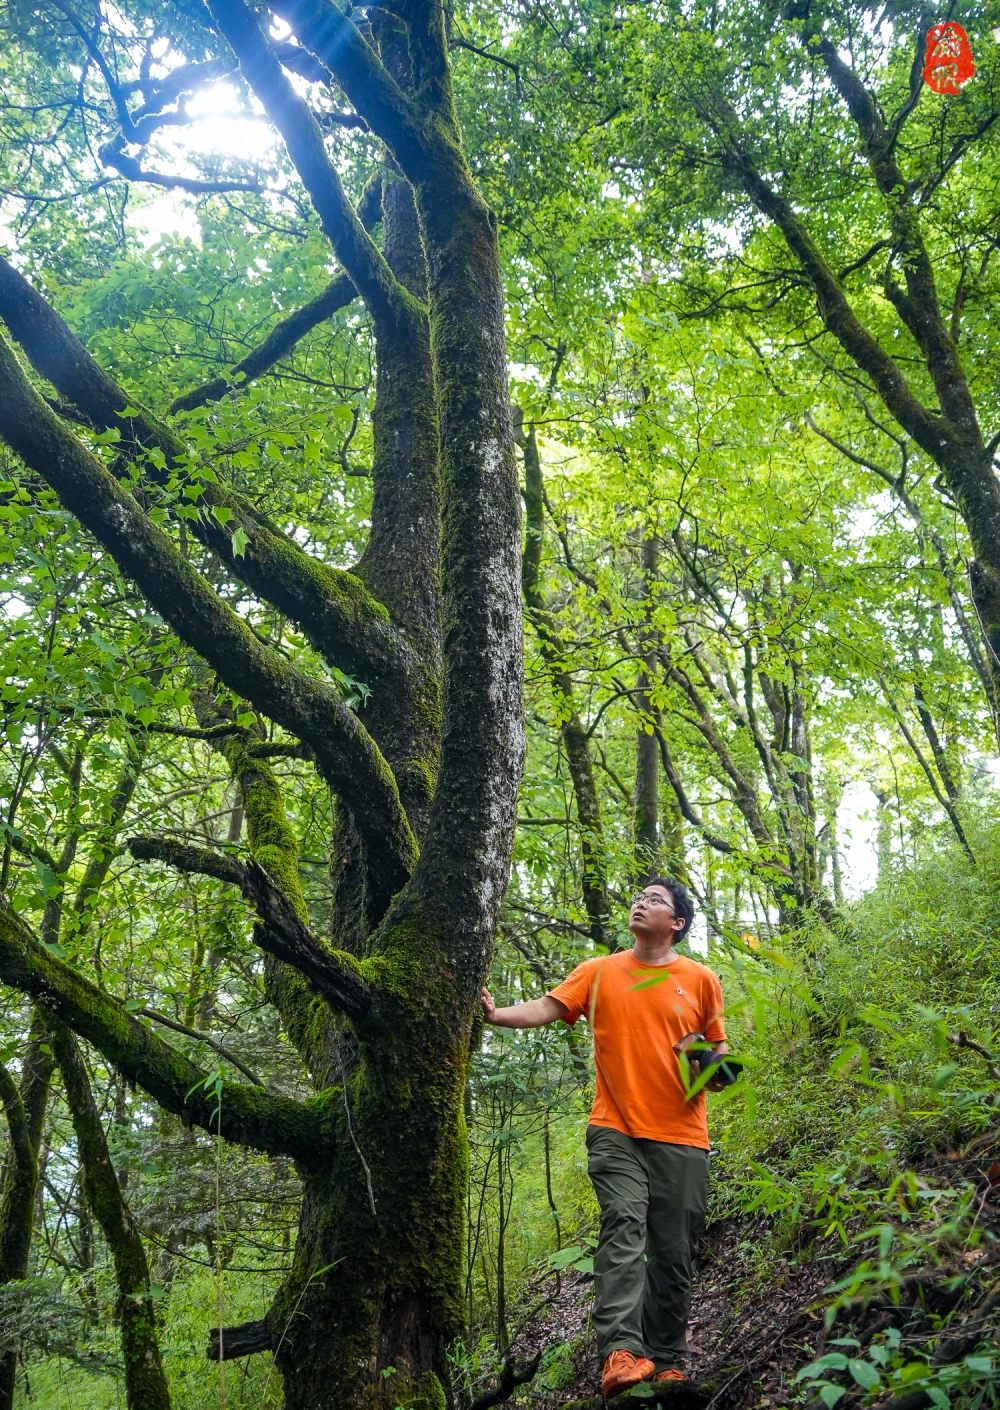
{"points": [[637, 1012]]}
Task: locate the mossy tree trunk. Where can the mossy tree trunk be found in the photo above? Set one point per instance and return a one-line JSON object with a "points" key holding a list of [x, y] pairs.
{"points": [[145, 1383], [424, 787], [24, 1106], [576, 740]]}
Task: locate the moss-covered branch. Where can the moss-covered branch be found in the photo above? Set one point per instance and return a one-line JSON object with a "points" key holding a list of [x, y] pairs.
{"points": [[24, 1106], [344, 981], [334, 38], [145, 1382], [20, 1173], [333, 608], [390, 303], [345, 753], [289, 330], [250, 1117]]}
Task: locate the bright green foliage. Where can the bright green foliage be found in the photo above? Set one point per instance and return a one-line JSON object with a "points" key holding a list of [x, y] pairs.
{"points": [[808, 637]]}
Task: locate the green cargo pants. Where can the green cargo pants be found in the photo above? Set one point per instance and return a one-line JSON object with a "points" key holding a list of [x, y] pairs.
{"points": [[653, 1198]]}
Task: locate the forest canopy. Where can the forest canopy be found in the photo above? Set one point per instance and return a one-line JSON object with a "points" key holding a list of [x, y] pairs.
{"points": [[457, 464]]}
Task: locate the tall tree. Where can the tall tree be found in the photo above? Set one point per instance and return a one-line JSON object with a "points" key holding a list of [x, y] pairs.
{"points": [[430, 620]]}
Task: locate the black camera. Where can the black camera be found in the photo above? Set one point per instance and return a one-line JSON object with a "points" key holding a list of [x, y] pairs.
{"points": [[703, 1057]]}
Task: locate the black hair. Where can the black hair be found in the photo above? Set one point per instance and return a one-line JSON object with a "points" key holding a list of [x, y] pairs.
{"points": [[683, 905]]}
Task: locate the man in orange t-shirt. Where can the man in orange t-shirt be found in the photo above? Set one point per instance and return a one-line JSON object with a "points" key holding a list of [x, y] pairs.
{"points": [[647, 1139]]}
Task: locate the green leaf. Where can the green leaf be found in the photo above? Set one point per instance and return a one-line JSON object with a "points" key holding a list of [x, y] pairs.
{"points": [[983, 1365], [944, 1075], [864, 1373], [832, 1361], [566, 1256], [830, 1394], [221, 513], [240, 541]]}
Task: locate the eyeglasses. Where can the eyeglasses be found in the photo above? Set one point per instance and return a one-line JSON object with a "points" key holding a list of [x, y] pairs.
{"points": [[653, 900]]}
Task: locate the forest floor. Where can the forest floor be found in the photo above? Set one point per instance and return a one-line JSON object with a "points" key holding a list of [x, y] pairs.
{"points": [[745, 1328], [757, 1316]]}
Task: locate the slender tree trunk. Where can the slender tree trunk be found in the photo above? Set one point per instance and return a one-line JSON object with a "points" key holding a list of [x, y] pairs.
{"points": [[25, 1110], [145, 1383], [574, 736], [646, 810]]}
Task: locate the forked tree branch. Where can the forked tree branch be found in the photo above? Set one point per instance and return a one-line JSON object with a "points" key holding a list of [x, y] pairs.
{"points": [[250, 1117], [346, 755], [339, 977]]}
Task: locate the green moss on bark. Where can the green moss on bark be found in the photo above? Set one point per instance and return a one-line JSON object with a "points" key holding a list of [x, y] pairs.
{"points": [[145, 1382]]}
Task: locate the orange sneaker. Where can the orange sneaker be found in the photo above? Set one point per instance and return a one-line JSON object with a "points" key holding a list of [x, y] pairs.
{"points": [[623, 1370], [672, 1373]]}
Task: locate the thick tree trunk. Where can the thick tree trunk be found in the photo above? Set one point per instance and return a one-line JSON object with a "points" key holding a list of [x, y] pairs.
{"points": [[374, 1328]]}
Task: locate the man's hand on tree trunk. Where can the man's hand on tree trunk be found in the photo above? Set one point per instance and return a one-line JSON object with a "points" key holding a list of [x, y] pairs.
{"points": [[534, 1014]]}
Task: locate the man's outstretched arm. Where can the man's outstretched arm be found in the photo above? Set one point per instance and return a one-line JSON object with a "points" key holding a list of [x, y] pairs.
{"points": [[534, 1014]]}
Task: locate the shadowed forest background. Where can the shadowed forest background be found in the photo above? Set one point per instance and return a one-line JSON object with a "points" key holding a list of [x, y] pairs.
{"points": [[750, 269]]}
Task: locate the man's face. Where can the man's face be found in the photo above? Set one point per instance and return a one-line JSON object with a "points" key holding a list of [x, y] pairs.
{"points": [[652, 915]]}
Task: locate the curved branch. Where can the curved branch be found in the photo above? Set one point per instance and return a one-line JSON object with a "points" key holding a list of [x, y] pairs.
{"points": [[132, 170], [339, 616], [250, 1117], [346, 755], [338, 976], [390, 303], [205, 1038], [684, 803]]}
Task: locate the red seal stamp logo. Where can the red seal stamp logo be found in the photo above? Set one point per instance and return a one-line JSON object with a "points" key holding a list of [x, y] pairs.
{"points": [[948, 63]]}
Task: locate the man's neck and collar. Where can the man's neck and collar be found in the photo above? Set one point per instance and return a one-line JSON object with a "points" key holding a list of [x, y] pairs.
{"points": [[654, 951]]}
